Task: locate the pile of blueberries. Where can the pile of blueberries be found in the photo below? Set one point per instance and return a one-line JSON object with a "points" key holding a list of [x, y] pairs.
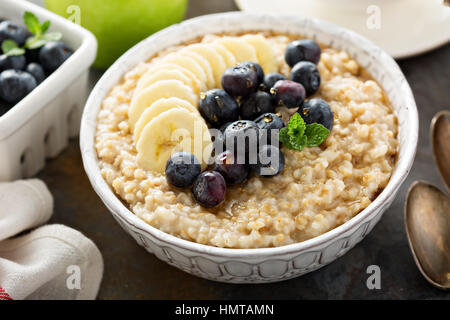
{"points": [[247, 105], [20, 74]]}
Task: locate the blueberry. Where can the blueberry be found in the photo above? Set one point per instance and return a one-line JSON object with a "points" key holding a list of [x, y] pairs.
{"points": [[15, 85], [255, 67], [209, 189], [240, 81], [270, 80], [255, 105], [288, 93], [53, 54], [242, 137], [32, 55], [233, 170], [317, 111], [308, 75], [269, 125], [302, 50], [11, 31], [36, 71], [270, 162], [218, 107], [182, 169], [12, 62]]}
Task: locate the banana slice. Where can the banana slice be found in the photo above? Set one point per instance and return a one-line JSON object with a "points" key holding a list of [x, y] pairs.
{"points": [[161, 89], [198, 86], [210, 80], [172, 131], [264, 52], [239, 48], [227, 56], [157, 108], [163, 74], [215, 60], [188, 63]]}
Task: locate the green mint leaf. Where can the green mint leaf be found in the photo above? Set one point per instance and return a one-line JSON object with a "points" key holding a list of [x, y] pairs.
{"points": [[52, 36], [10, 48], [296, 125], [284, 137], [298, 143], [45, 26], [8, 45], [16, 52], [35, 42], [315, 134], [293, 136], [32, 23], [292, 141], [297, 135]]}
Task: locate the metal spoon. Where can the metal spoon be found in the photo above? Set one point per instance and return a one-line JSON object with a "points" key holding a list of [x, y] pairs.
{"points": [[427, 220], [440, 136], [427, 212]]}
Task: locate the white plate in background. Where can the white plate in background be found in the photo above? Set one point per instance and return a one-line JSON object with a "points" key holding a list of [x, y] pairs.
{"points": [[407, 27]]}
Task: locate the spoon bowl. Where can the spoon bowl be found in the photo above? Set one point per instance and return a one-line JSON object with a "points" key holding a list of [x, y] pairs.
{"points": [[440, 137], [427, 220]]}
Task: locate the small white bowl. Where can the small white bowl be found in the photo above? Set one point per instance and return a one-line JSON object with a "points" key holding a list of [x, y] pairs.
{"points": [[39, 126], [403, 28], [267, 264]]}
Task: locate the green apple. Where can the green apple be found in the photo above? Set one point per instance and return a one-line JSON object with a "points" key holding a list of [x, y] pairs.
{"points": [[119, 24]]}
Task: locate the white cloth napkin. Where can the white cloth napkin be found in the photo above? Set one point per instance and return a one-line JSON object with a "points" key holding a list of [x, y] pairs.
{"points": [[51, 262]]}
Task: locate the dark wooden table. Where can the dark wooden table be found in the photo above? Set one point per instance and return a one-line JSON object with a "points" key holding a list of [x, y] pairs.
{"points": [[132, 273]]}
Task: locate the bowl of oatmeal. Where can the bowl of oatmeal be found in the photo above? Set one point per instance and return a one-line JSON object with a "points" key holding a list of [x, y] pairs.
{"points": [[323, 202]]}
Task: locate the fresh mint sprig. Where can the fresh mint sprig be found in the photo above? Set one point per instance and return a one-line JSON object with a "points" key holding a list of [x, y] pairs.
{"points": [[40, 35], [11, 48], [298, 135]]}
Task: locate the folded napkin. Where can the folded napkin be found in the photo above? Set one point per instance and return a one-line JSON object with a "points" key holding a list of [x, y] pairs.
{"points": [[24, 204], [51, 262]]}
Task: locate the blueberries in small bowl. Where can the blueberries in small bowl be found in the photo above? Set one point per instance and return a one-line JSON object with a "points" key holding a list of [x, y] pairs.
{"points": [[308, 75], [289, 93], [15, 85], [29, 56], [270, 79], [182, 169], [269, 125], [255, 67], [317, 111], [233, 170], [12, 31], [240, 81], [209, 189], [218, 107], [12, 62], [302, 50], [270, 161], [255, 105], [53, 54]]}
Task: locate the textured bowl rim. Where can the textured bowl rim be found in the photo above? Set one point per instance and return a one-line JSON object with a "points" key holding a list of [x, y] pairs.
{"points": [[115, 205]]}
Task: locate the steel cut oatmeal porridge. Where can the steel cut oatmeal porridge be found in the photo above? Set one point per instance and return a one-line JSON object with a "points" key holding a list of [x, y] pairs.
{"points": [[319, 189]]}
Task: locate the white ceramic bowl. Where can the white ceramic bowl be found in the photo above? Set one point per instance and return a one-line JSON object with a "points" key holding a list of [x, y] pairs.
{"points": [[267, 264], [40, 125]]}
